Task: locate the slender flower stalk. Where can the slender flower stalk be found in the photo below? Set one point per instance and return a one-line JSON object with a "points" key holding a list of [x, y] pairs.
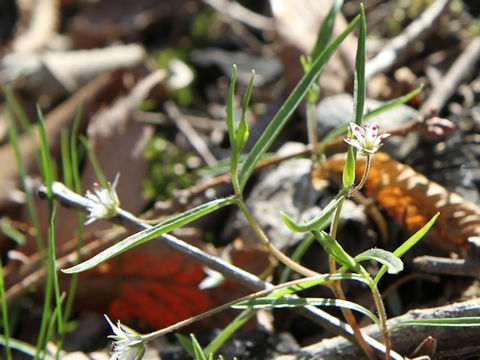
{"points": [[128, 344]]}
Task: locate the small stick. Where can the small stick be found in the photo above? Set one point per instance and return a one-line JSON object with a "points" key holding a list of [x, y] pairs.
{"points": [[440, 265], [236, 11], [397, 49], [458, 72], [192, 136]]}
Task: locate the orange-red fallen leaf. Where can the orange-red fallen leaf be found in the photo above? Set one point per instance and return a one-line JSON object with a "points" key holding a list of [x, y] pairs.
{"points": [[153, 284], [412, 200], [150, 283]]}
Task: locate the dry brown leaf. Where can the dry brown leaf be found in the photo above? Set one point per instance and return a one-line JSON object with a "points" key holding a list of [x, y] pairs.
{"points": [[412, 200]]}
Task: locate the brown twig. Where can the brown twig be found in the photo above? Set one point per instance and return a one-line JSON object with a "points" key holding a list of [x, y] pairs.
{"points": [[192, 136], [399, 48], [236, 11], [458, 72], [440, 265]]}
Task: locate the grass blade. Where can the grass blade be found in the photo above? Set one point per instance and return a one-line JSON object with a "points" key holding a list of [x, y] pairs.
{"points": [[394, 102], [151, 233], [450, 322], [23, 347], [5, 324], [287, 109], [285, 302], [359, 88], [48, 177], [407, 245], [326, 29], [197, 349]]}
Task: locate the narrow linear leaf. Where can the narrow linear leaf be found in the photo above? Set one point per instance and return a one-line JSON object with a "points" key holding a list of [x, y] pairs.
{"points": [[326, 29], [359, 88], [199, 354], [230, 115], [450, 322], [287, 109], [319, 221], [151, 233], [93, 160], [307, 283], [186, 344], [24, 347], [407, 245], [285, 302], [242, 131], [393, 103], [45, 152], [394, 264], [334, 249], [228, 331]]}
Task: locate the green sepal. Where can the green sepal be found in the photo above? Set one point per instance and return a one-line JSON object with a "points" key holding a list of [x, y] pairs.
{"points": [[348, 176]]}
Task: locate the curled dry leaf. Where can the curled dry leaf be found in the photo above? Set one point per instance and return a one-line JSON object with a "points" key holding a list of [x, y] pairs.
{"points": [[412, 200]]}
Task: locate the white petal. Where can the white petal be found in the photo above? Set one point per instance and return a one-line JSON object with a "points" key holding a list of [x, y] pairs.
{"points": [[357, 131], [372, 131]]}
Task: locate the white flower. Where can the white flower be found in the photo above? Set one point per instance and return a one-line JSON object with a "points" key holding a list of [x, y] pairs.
{"points": [[366, 139], [128, 344], [103, 202]]}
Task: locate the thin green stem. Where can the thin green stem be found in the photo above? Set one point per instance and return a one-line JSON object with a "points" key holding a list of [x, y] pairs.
{"points": [[22, 171], [311, 124], [6, 326], [266, 241], [380, 309], [338, 291], [368, 163]]}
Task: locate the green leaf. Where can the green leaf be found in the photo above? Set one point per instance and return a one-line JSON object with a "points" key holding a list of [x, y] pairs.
{"points": [[9, 230], [334, 249], [326, 29], [307, 283], [286, 302], [229, 330], [229, 110], [319, 221], [348, 176], [359, 78], [151, 233], [394, 264], [393, 103], [242, 131], [450, 322], [186, 344], [198, 351], [45, 152], [287, 109], [24, 347], [407, 245]]}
